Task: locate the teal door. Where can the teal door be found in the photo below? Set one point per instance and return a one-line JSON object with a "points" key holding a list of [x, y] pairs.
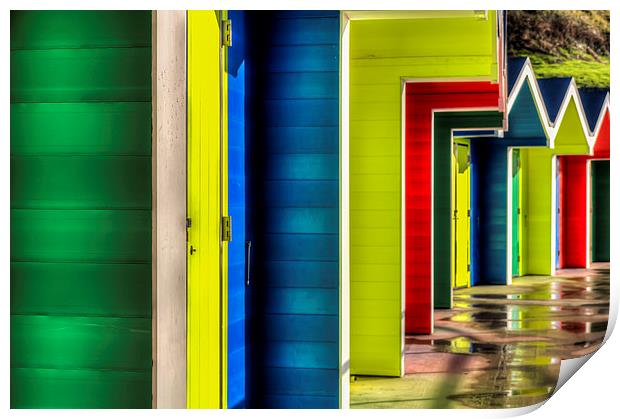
{"points": [[600, 211], [80, 209]]}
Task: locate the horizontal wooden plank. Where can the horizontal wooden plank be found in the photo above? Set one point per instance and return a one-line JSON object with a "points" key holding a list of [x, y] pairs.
{"points": [[300, 140], [301, 194], [44, 29], [302, 167], [81, 182], [301, 247], [81, 235], [77, 75], [81, 128], [300, 328], [302, 30], [303, 301], [299, 381], [33, 388], [302, 58], [322, 85], [58, 342], [302, 274], [301, 112], [302, 220], [86, 289], [311, 355]]}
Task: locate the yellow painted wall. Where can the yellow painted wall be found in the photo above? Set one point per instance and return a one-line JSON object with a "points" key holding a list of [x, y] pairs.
{"points": [[206, 203], [382, 54]]}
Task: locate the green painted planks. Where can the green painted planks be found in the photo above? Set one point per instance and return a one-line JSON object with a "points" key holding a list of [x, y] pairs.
{"points": [[45, 29], [89, 289], [73, 75], [80, 209], [81, 236], [80, 182], [81, 128], [80, 389], [80, 342], [444, 123], [600, 211], [537, 211]]}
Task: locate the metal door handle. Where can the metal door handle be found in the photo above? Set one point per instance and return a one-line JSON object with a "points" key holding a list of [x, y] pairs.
{"points": [[248, 261], [192, 250]]}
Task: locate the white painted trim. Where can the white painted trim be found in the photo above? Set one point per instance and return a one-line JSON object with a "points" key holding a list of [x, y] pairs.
{"points": [[509, 154], [554, 212], [345, 211], [414, 14], [169, 212], [403, 224], [588, 214], [452, 131]]}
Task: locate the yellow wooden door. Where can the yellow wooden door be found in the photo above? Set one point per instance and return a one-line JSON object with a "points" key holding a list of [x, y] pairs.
{"points": [[206, 207], [461, 212]]}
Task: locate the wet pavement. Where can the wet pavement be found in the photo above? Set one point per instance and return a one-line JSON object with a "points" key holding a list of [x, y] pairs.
{"points": [[500, 346]]}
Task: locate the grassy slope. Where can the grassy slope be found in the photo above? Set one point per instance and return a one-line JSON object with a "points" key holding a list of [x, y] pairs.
{"points": [[563, 43]]}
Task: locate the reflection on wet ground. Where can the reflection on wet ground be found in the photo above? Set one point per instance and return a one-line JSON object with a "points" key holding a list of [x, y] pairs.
{"points": [[500, 346]]}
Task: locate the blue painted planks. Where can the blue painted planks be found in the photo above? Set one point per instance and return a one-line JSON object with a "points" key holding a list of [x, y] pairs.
{"points": [[491, 198], [237, 248], [294, 114]]}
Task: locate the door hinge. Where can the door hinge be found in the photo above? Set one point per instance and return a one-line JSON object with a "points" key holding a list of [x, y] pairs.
{"points": [[469, 212], [519, 258], [518, 211], [188, 222], [468, 267], [226, 228], [226, 33]]}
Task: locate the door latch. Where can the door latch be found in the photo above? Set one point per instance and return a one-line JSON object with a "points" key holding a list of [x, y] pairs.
{"points": [[226, 33], [226, 228]]}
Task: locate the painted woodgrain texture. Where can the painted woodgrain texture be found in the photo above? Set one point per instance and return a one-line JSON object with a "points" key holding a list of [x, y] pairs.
{"points": [[575, 243], [206, 300], [421, 99], [444, 123], [80, 209], [382, 54], [294, 132], [239, 249]]}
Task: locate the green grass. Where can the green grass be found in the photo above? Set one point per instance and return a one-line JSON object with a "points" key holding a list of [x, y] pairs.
{"points": [[587, 72]]}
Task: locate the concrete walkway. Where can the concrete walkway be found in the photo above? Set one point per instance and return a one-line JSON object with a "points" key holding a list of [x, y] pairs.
{"points": [[500, 346]]}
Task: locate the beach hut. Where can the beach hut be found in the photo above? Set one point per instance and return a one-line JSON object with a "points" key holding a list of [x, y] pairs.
{"points": [[381, 52], [292, 118], [539, 185], [494, 160], [583, 230], [81, 209], [421, 100]]}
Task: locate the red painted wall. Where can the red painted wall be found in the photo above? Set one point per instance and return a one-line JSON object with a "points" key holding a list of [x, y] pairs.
{"points": [[421, 99], [573, 229]]}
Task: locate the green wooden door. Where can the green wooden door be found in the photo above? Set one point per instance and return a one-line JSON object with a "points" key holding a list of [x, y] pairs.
{"points": [[516, 213], [80, 209], [600, 211]]}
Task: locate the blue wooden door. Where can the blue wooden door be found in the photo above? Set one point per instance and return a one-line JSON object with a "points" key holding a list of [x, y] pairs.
{"points": [[294, 162]]}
